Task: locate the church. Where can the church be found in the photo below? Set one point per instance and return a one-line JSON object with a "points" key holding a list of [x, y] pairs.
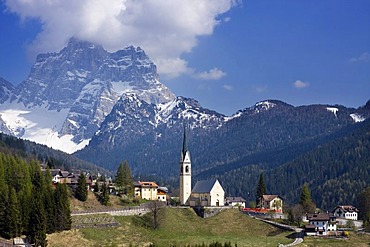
{"points": [[205, 193]]}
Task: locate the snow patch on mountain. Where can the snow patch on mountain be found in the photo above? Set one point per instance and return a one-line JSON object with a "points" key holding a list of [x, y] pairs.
{"points": [[188, 110], [264, 105], [334, 110], [357, 117], [121, 87], [39, 125], [257, 108]]}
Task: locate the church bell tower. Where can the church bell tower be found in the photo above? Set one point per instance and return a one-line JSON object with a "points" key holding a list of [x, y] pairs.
{"points": [[185, 173]]}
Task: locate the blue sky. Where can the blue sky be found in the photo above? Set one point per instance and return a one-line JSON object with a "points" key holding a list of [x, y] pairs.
{"points": [[226, 54]]}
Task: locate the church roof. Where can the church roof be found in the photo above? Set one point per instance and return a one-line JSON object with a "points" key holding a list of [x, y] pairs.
{"points": [[204, 186]]}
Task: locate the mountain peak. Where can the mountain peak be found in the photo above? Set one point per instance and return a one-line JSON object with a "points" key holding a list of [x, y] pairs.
{"points": [[75, 43], [79, 86], [261, 106]]}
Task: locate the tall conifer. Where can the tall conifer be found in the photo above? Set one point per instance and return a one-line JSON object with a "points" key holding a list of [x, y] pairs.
{"points": [[49, 204], [306, 201], [81, 190], [13, 215], [128, 180], [62, 208], [120, 178], [104, 196], [261, 189], [3, 194], [37, 223]]}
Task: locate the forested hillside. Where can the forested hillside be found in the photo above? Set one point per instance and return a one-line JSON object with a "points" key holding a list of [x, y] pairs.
{"points": [[29, 205], [336, 170], [55, 158]]}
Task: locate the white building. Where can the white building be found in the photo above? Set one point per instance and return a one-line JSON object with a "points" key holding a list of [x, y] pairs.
{"points": [[207, 193], [235, 201], [162, 194], [320, 224], [272, 202], [204, 193], [185, 173], [146, 190], [347, 212]]}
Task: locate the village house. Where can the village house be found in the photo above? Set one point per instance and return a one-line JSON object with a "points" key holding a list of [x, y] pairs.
{"points": [[347, 212], [271, 202], [147, 190], [235, 202], [162, 194], [60, 176], [320, 224], [207, 193]]}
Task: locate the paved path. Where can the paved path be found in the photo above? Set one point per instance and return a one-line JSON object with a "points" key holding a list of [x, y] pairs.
{"points": [[299, 232], [298, 239]]}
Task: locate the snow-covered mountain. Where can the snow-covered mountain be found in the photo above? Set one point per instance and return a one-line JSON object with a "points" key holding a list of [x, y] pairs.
{"points": [[133, 118], [142, 132], [6, 89], [85, 93], [68, 94]]}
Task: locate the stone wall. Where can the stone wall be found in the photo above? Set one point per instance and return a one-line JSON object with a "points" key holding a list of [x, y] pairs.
{"points": [[206, 212]]}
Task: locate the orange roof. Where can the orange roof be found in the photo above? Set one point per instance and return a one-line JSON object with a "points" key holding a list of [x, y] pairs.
{"points": [[269, 198], [148, 184], [160, 192]]}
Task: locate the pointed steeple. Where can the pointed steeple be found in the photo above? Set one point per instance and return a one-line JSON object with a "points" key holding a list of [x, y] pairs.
{"points": [[184, 144]]}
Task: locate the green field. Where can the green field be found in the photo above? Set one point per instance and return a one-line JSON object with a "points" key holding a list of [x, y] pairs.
{"points": [[354, 240], [182, 227], [178, 227]]}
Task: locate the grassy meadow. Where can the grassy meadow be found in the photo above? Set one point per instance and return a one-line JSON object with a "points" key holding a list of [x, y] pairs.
{"points": [[178, 227], [354, 240]]}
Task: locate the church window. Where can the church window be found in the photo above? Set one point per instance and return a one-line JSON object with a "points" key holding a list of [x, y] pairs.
{"points": [[186, 168]]}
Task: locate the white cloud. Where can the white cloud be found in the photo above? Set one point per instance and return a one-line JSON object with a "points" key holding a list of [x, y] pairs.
{"points": [[164, 29], [213, 74], [228, 87], [301, 84], [261, 89], [364, 57]]}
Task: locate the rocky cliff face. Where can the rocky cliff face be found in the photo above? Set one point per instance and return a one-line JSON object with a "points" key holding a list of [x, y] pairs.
{"points": [[82, 82]]}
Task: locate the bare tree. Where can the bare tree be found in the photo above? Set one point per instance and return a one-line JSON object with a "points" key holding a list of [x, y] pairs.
{"points": [[155, 207], [296, 214]]}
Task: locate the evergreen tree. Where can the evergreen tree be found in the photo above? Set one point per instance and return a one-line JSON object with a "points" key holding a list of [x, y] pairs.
{"points": [[49, 204], [13, 215], [37, 224], [3, 196], [104, 196], [62, 208], [120, 178], [261, 189], [96, 187], [129, 188], [363, 201], [81, 190], [24, 197], [305, 200]]}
